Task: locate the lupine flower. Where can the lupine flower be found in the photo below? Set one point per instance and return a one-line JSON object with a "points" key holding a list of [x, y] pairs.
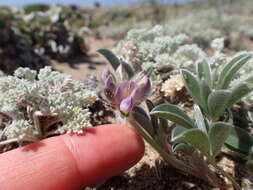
{"points": [[127, 94]]}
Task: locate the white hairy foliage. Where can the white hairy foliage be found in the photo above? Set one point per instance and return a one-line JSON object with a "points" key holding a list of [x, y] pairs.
{"points": [[152, 47], [50, 93]]}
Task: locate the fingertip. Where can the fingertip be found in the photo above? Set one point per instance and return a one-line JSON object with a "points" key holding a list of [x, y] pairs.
{"points": [[105, 151], [71, 161]]}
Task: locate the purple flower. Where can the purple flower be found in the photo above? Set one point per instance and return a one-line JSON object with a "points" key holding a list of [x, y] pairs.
{"points": [[125, 95], [126, 105]]}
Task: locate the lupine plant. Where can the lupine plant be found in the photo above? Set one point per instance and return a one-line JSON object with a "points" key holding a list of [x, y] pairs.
{"points": [[200, 139]]}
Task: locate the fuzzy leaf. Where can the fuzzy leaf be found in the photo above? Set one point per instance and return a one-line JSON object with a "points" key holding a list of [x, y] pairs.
{"points": [[205, 91], [111, 57], [173, 113], [230, 69], [183, 147], [217, 102], [204, 72], [239, 140], [194, 88], [199, 118], [238, 92], [176, 131], [217, 135], [196, 138], [180, 147], [143, 120]]}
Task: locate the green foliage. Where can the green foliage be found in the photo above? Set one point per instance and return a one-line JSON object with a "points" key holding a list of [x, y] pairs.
{"points": [[222, 96], [230, 69], [173, 113], [218, 133], [196, 138]]}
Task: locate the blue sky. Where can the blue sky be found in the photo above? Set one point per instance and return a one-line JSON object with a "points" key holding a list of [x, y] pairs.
{"points": [[79, 2]]}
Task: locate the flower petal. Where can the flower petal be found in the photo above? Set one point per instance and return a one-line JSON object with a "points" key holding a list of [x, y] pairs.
{"points": [[123, 90], [126, 105], [141, 92]]}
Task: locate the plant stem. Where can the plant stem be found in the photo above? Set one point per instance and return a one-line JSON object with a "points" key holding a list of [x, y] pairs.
{"points": [[8, 141], [37, 123], [16, 140], [169, 158], [203, 173], [235, 184]]}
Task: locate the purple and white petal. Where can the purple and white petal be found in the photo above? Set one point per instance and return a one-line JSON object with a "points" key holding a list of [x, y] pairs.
{"points": [[126, 105]]}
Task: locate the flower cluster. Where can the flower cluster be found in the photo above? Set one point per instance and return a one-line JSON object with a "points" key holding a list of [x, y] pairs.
{"points": [[125, 94]]}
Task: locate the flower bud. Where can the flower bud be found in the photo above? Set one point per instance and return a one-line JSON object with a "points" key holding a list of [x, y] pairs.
{"points": [[142, 91], [109, 88], [109, 84], [121, 74], [105, 74]]}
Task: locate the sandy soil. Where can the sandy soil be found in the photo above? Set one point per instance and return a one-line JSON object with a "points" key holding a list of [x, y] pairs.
{"points": [[80, 67]]}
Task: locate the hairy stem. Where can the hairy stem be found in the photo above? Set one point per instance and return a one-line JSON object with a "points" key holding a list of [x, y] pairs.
{"points": [[13, 140], [201, 172], [37, 123], [169, 158]]}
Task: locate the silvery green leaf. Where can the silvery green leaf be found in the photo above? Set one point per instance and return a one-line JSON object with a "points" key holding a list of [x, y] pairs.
{"points": [[238, 92], [217, 102], [185, 148], [143, 120], [218, 134], [154, 118], [204, 72], [176, 131], [199, 118], [205, 91], [173, 113], [194, 87], [113, 59], [197, 138], [230, 69], [239, 140]]}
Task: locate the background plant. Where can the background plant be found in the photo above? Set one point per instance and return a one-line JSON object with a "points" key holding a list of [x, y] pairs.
{"points": [[35, 105]]}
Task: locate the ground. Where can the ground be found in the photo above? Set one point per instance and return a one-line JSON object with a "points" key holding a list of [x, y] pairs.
{"points": [[80, 67]]}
